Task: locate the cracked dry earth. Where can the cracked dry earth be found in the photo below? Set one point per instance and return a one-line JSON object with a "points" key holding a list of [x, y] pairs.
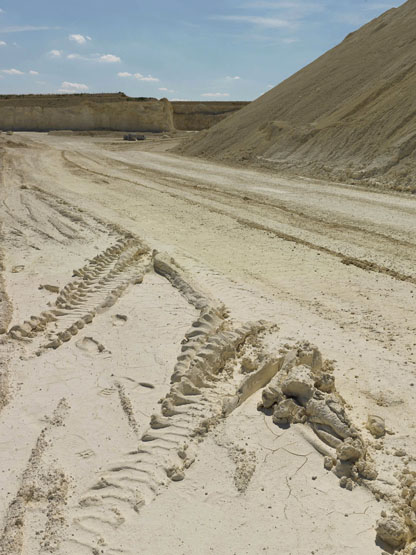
{"points": [[197, 358]]}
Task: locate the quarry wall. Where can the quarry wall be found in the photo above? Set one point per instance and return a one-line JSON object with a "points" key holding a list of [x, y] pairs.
{"points": [[195, 116], [112, 111], [85, 112]]}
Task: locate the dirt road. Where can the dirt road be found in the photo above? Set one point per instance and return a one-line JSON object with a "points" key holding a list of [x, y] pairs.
{"points": [[103, 333]]}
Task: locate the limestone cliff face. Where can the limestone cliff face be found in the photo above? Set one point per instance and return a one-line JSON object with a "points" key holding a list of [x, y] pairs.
{"points": [[110, 111], [85, 113], [195, 116]]}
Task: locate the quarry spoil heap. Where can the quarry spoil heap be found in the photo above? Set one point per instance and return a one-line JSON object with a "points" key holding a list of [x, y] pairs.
{"points": [[349, 115]]}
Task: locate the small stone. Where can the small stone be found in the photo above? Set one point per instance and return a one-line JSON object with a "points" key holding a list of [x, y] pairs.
{"points": [[248, 365], [50, 288], [392, 530], [54, 344], [350, 450], [17, 269], [366, 470], [287, 412], [175, 474], [299, 383], [376, 425], [328, 463]]}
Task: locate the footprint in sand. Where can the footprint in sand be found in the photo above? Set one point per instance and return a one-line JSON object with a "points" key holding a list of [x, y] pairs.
{"points": [[17, 269], [106, 392], [86, 454], [147, 385], [90, 345], [119, 319]]}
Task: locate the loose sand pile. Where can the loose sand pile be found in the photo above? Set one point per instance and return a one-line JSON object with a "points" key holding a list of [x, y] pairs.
{"points": [[350, 114]]}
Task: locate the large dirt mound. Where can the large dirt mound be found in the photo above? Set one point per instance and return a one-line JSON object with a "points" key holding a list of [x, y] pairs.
{"points": [[350, 114]]}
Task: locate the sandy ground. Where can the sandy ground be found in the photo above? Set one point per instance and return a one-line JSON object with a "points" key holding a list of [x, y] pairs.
{"points": [[130, 384]]}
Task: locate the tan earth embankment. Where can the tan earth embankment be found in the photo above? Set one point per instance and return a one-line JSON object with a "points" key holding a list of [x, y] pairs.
{"points": [[350, 114], [85, 112], [195, 116], [108, 111]]}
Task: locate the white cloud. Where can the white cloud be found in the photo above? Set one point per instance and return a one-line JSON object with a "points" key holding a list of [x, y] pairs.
{"points": [[180, 100], [55, 53], [291, 10], [287, 5], [235, 78], [80, 39], [269, 22], [140, 77], [346, 15], [2, 43], [13, 71], [106, 58], [164, 89], [215, 95], [1, 11], [23, 28], [380, 6], [109, 58], [149, 78], [33, 72], [281, 14], [67, 87]]}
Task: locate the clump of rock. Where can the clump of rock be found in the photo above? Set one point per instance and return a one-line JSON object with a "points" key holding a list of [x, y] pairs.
{"points": [[133, 137]]}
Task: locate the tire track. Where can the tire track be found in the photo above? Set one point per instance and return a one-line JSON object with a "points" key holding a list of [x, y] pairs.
{"points": [[305, 221], [298, 387], [362, 264], [6, 311], [166, 449], [366, 265], [100, 283], [45, 489]]}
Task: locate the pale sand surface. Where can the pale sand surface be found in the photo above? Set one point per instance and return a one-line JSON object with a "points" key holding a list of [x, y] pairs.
{"points": [[329, 264]]}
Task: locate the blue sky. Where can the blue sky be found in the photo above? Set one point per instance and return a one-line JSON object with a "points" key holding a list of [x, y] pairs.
{"points": [[183, 49]]}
